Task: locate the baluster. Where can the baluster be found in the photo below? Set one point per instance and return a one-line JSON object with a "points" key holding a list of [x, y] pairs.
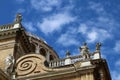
{"points": [[50, 64], [63, 62], [54, 63], [60, 62], [57, 63]]}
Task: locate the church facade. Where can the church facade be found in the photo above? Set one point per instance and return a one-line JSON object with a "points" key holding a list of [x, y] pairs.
{"points": [[25, 56]]}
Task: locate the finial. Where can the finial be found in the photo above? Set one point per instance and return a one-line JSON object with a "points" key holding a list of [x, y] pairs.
{"points": [[18, 18], [98, 45], [68, 53]]}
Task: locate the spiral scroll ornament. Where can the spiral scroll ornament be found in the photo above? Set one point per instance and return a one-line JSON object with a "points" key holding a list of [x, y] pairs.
{"points": [[28, 64]]}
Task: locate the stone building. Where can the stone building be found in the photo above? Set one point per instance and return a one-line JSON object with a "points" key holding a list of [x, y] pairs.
{"points": [[25, 56]]}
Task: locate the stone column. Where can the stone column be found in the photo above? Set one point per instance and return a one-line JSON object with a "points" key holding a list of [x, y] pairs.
{"points": [[48, 56], [101, 74], [37, 49]]}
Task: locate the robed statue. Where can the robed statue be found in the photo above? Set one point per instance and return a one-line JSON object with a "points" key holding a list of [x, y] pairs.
{"points": [[9, 63]]}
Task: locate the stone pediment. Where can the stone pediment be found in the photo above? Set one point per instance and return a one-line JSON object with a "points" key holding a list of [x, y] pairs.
{"points": [[31, 64]]}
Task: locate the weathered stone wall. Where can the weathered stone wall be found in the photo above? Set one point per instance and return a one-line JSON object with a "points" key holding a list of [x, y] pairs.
{"points": [[88, 76], [3, 76]]}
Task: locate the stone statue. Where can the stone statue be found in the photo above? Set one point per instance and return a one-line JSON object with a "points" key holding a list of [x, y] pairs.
{"points": [[84, 51], [98, 45], [18, 18], [84, 48], [67, 53], [9, 61]]}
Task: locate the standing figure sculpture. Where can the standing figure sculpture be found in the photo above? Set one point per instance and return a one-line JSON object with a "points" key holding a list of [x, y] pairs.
{"points": [[98, 45], [9, 61], [85, 51], [18, 18]]}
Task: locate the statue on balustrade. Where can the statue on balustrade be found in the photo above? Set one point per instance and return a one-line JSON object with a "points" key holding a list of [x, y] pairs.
{"points": [[85, 51], [18, 18], [98, 45]]}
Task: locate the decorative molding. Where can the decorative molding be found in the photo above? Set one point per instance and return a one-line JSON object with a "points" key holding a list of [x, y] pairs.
{"points": [[7, 45]]}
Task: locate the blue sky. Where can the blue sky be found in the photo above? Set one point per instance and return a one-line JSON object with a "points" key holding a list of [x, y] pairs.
{"points": [[66, 24]]}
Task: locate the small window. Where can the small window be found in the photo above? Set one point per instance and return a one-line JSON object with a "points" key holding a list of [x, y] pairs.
{"points": [[43, 52], [51, 57], [33, 48]]}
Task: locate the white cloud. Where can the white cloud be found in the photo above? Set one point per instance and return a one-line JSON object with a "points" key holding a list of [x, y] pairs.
{"points": [[117, 46], [92, 36], [55, 22], [98, 35], [82, 28], [29, 26], [96, 7], [104, 19], [69, 38], [45, 5]]}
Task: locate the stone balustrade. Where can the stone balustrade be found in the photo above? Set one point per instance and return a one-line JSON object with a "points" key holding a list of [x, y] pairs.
{"points": [[73, 59], [57, 63], [9, 26], [6, 27], [61, 62]]}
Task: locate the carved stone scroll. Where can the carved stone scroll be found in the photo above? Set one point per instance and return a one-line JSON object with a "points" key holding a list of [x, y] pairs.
{"points": [[30, 64]]}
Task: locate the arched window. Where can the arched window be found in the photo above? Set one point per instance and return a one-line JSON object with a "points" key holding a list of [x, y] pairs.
{"points": [[51, 57], [43, 52], [33, 48]]}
